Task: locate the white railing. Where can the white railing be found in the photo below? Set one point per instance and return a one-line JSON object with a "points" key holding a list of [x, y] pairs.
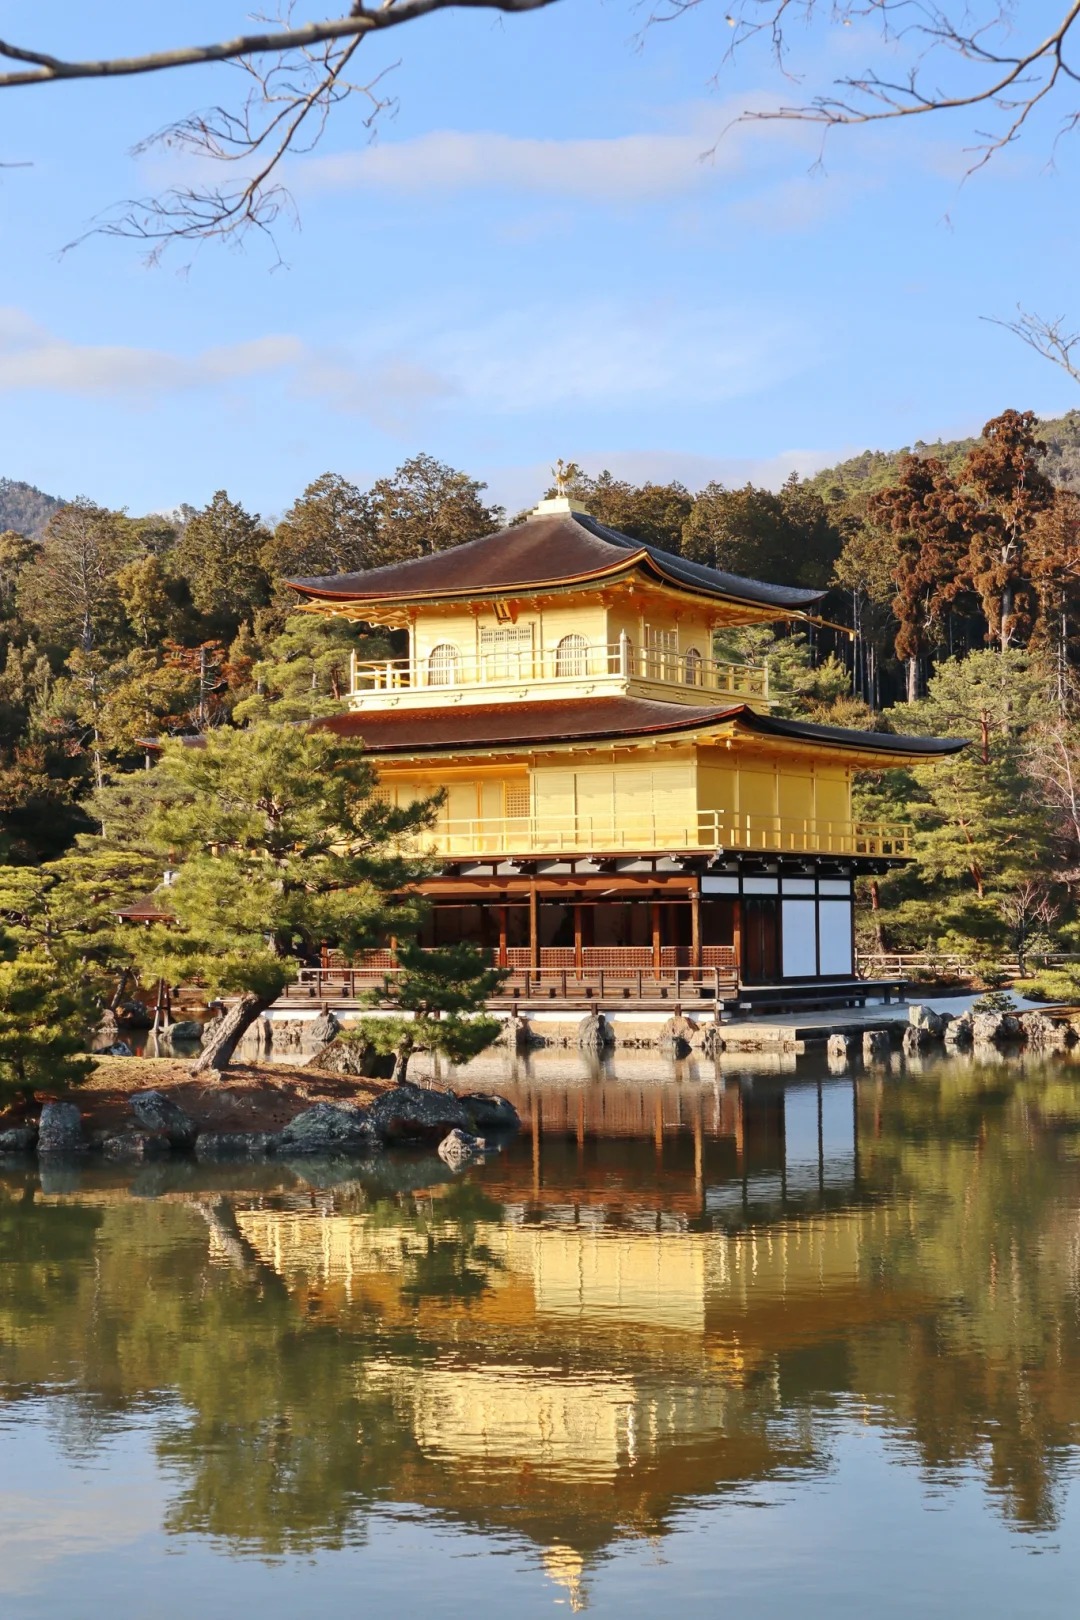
{"points": [[506, 836], [561, 665]]}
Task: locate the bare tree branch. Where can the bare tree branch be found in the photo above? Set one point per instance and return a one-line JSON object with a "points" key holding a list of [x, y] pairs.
{"points": [[1011, 82], [359, 22], [284, 112], [1050, 338]]}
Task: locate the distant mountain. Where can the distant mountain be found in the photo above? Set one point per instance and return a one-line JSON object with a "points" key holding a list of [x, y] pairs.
{"points": [[875, 469], [24, 508]]}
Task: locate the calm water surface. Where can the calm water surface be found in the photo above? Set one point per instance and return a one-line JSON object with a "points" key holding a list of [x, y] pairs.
{"points": [[775, 1343]]}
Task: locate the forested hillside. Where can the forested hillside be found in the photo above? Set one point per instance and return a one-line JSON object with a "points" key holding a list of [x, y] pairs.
{"points": [[953, 606], [24, 508]]}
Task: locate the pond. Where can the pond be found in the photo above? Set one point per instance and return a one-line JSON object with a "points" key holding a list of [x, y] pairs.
{"points": [[698, 1340]]}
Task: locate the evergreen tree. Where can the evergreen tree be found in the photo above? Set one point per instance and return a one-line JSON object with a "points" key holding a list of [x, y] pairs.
{"points": [[331, 529], [434, 997], [43, 1028], [284, 848], [305, 672], [427, 506], [219, 553]]}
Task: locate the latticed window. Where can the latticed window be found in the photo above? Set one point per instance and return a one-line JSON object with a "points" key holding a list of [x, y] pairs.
{"points": [[443, 665], [516, 800], [506, 652], [692, 667], [382, 795], [661, 653], [572, 656]]}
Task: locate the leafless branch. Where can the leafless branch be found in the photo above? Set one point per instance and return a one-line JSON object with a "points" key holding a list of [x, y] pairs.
{"points": [[285, 111], [1050, 338], [1013, 83]]}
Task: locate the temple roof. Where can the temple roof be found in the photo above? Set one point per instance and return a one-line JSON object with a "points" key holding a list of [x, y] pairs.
{"points": [[543, 553], [455, 728]]}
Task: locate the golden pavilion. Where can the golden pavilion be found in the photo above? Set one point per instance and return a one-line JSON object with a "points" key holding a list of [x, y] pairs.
{"points": [[615, 799]]}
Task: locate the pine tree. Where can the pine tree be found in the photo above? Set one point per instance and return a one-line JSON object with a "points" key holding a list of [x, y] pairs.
{"points": [[283, 848], [440, 991], [43, 1027]]}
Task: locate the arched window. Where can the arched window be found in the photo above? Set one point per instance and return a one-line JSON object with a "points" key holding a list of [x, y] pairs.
{"points": [[692, 667], [572, 656], [442, 665]]}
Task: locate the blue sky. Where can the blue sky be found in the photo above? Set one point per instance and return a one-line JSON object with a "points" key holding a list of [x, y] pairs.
{"points": [[532, 260]]}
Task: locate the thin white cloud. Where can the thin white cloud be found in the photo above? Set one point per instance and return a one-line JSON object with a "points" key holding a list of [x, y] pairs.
{"points": [[705, 140], [32, 358]]}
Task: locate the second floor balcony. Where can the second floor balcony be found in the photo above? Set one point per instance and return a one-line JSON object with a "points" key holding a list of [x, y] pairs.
{"points": [[574, 667], [504, 837]]}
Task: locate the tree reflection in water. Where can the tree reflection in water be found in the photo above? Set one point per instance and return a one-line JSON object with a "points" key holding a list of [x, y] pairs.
{"points": [[637, 1306]]}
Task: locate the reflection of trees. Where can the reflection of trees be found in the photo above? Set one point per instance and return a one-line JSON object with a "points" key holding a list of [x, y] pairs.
{"points": [[289, 1398]]}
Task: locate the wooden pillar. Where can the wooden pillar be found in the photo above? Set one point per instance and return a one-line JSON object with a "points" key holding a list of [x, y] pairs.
{"points": [[579, 960], [695, 928], [654, 920], [503, 916], [737, 939], [534, 927]]}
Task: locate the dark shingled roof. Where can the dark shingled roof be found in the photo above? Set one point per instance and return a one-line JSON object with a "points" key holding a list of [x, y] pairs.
{"points": [[460, 726], [543, 552]]}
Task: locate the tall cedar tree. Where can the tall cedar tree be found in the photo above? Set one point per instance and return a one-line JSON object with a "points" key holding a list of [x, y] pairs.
{"points": [[427, 506], [932, 522], [283, 848], [330, 529], [220, 555], [1011, 493]]}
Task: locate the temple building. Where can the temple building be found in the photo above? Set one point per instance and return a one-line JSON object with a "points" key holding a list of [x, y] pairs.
{"points": [[615, 799]]}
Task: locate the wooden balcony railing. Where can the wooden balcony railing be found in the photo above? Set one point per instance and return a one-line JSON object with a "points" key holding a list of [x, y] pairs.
{"points": [[447, 668], [507, 836]]}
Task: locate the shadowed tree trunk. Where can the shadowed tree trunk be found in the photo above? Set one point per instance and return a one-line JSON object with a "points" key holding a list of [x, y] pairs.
{"points": [[226, 1036]]}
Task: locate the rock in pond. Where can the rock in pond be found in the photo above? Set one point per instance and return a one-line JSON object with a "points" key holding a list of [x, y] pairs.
{"points": [[958, 1031], [185, 1030], [1048, 1033], [324, 1028], [19, 1139], [995, 1028], [136, 1145], [459, 1148], [157, 1112], [344, 1057], [712, 1040], [595, 1034], [676, 1037], [875, 1045], [235, 1144], [415, 1114], [328, 1128], [60, 1129], [917, 1037], [490, 1112], [840, 1048], [925, 1018]]}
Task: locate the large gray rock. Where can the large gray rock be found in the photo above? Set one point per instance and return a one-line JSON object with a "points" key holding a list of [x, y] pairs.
{"points": [[414, 1114], [959, 1031], [1048, 1033], [134, 1015], [18, 1139], [925, 1018], [875, 1045], [712, 1041], [917, 1037], [344, 1057], [185, 1032], [60, 1129], [328, 1128], [840, 1048], [459, 1148], [595, 1034], [324, 1028], [490, 1112], [676, 1037], [212, 1145], [995, 1028], [517, 1035], [157, 1112], [135, 1146]]}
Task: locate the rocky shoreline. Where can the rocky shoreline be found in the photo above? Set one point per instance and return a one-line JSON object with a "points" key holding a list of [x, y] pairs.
{"points": [[122, 1124]]}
